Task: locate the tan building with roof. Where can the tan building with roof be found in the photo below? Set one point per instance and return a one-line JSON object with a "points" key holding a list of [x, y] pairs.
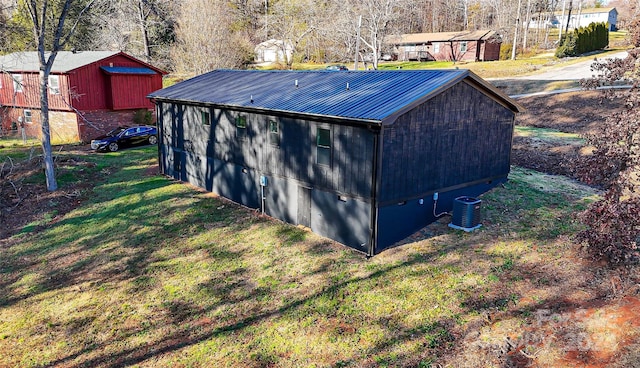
{"points": [[481, 45]]}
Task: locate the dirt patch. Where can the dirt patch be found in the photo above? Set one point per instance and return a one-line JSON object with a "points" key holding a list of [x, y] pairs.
{"points": [[576, 112], [26, 204]]}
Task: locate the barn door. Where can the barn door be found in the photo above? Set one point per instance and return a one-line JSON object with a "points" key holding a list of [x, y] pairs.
{"points": [[304, 206]]}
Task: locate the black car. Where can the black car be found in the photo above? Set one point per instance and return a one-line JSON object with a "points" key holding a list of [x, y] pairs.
{"points": [[124, 137]]}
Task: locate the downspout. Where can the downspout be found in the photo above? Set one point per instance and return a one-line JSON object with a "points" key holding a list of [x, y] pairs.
{"points": [[375, 177]]}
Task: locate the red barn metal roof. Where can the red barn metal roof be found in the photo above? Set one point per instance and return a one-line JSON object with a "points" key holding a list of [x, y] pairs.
{"points": [[65, 61]]}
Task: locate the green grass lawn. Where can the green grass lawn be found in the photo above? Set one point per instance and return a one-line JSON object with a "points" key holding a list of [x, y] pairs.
{"points": [[151, 272]]}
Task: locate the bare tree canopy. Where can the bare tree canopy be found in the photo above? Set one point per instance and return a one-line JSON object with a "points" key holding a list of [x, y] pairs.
{"points": [[142, 28], [190, 36], [207, 37]]}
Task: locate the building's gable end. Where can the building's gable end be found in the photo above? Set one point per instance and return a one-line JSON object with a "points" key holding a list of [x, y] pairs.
{"points": [[458, 136], [456, 143]]}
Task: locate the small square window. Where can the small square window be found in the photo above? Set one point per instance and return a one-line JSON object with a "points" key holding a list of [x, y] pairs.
{"points": [[323, 146], [54, 84], [205, 117], [27, 116], [241, 127], [274, 133], [463, 46]]}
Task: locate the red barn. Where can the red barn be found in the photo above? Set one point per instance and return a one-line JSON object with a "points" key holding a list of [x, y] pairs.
{"points": [[90, 92]]}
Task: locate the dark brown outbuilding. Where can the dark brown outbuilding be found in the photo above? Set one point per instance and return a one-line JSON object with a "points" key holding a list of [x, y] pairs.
{"points": [[355, 156]]}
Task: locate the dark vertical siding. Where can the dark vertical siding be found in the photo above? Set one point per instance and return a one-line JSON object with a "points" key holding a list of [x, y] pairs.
{"points": [[346, 221], [295, 157], [336, 201], [350, 172], [457, 137]]}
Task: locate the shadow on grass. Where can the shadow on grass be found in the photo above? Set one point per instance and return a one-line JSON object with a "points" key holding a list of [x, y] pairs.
{"points": [[191, 332], [127, 233]]}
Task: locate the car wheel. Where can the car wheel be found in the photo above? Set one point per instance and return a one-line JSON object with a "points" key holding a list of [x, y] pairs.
{"points": [[153, 139], [113, 146]]}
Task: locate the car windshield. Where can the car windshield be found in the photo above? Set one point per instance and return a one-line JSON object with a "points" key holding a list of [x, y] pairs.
{"points": [[115, 132]]}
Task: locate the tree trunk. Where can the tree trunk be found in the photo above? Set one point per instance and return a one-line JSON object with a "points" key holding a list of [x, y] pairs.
{"points": [[515, 33], [142, 18], [525, 34], [355, 63], [49, 170], [566, 30], [564, 3]]}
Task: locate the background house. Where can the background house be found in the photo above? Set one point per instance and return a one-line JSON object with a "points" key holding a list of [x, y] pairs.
{"points": [[447, 46], [579, 18], [90, 92], [355, 156], [584, 17], [272, 51]]}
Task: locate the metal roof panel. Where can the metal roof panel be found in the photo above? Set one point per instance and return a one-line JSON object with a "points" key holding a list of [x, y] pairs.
{"points": [[127, 70], [370, 95], [65, 60]]}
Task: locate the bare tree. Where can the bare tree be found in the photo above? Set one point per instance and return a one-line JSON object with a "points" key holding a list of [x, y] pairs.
{"points": [[527, 23], [206, 38], [50, 36], [292, 22], [143, 28], [566, 29], [378, 20], [515, 32]]}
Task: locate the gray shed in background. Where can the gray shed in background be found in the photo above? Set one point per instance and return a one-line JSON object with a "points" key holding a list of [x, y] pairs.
{"points": [[355, 156]]}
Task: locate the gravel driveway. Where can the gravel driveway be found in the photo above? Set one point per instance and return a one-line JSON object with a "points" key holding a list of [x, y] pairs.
{"points": [[571, 72]]}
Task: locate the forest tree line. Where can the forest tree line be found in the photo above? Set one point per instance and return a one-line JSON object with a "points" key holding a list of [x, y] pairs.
{"points": [[194, 36]]}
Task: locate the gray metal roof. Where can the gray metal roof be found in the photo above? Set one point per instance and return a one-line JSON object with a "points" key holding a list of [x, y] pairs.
{"points": [[127, 70], [65, 60], [356, 95]]}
